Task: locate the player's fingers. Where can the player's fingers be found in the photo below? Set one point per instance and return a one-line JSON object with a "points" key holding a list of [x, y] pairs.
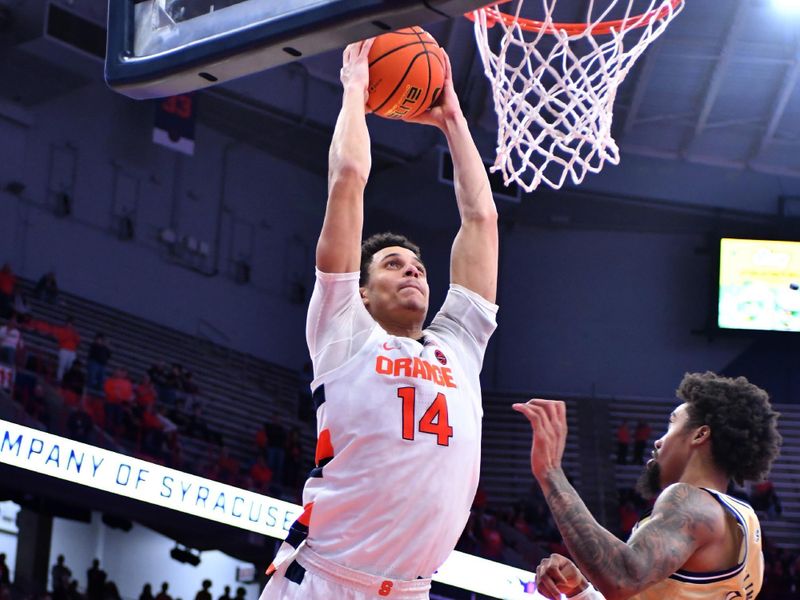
{"points": [[547, 588], [550, 409], [523, 408], [555, 575], [537, 414], [448, 67], [561, 411], [366, 45], [531, 413]]}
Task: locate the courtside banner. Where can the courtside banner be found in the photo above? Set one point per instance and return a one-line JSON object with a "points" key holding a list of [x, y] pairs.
{"points": [[123, 475], [101, 469]]}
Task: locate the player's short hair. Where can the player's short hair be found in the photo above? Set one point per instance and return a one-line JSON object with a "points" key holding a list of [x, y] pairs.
{"points": [[744, 428], [379, 241]]}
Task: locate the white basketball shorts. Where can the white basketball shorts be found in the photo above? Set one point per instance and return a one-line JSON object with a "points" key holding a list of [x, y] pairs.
{"points": [[312, 577]]}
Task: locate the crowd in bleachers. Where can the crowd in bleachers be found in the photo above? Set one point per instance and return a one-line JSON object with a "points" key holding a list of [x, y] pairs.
{"points": [[64, 586], [84, 395]]}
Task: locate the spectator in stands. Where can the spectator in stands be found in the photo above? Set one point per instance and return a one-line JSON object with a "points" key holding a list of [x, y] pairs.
{"points": [[189, 387], [158, 374], [147, 592], [72, 591], [8, 281], [628, 514], [99, 355], [227, 466], [623, 441], [197, 426], [240, 593], [119, 396], [738, 492], [468, 542], [261, 476], [640, 438], [5, 575], [36, 363], [67, 338], [292, 463], [261, 440], [46, 288], [22, 309], [175, 450], [172, 391], [152, 431], [24, 384], [145, 392], [95, 581], [764, 499], [36, 406], [80, 425], [276, 446], [227, 594], [61, 575], [72, 384], [204, 594], [10, 342], [110, 591], [491, 546], [163, 595]]}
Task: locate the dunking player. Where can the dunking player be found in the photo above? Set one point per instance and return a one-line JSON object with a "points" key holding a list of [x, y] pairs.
{"points": [[399, 407], [698, 543]]}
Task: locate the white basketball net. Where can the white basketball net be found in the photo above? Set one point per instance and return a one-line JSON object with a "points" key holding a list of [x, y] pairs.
{"points": [[554, 100]]}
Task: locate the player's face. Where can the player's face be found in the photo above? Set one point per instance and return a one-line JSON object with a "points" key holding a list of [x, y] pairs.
{"points": [[670, 456], [397, 284]]}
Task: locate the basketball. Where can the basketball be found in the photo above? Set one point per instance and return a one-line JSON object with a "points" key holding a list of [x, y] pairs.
{"points": [[406, 73]]}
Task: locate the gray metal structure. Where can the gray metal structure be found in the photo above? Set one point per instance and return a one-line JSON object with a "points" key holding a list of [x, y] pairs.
{"points": [[720, 89]]}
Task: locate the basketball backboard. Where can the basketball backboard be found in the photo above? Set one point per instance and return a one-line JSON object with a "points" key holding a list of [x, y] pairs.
{"points": [[159, 48]]}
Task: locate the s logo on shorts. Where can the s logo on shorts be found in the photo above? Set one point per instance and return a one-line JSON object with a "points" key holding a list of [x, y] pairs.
{"points": [[385, 589]]}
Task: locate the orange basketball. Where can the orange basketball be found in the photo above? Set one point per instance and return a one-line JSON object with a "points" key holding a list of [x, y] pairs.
{"points": [[406, 73]]}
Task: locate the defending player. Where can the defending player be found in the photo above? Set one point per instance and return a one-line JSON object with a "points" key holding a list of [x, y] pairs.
{"points": [[698, 543], [399, 407]]}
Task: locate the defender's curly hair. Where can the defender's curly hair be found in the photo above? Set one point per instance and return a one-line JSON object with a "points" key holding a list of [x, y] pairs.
{"points": [[744, 432], [380, 241]]}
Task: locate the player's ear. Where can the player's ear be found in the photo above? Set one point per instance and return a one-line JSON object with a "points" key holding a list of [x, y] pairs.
{"points": [[363, 293], [701, 435]]}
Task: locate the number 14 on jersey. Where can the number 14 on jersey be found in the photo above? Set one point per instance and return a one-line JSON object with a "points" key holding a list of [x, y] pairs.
{"points": [[434, 421]]}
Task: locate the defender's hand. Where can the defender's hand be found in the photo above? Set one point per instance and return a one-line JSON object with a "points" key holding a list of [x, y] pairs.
{"points": [[548, 420], [558, 575]]}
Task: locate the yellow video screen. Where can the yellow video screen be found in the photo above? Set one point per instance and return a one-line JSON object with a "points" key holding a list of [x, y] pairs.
{"points": [[758, 285]]}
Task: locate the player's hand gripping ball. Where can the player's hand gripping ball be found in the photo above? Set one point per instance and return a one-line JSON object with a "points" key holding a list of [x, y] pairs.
{"points": [[406, 73]]}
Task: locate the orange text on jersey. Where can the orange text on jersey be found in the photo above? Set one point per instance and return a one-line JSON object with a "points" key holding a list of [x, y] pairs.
{"points": [[415, 367]]}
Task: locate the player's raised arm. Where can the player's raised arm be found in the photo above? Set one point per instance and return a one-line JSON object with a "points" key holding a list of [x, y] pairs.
{"points": [[349, 162], [473, 261]]}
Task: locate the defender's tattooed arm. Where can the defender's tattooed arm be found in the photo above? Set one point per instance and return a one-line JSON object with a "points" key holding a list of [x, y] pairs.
{"points": [[684, 518]]}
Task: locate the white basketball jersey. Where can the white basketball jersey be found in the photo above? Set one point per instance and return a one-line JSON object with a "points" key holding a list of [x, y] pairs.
{"points": [[399, 432]]}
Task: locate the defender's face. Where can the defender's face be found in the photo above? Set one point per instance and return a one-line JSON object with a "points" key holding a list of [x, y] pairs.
{"points": [[397, 285], [673, 449]]}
